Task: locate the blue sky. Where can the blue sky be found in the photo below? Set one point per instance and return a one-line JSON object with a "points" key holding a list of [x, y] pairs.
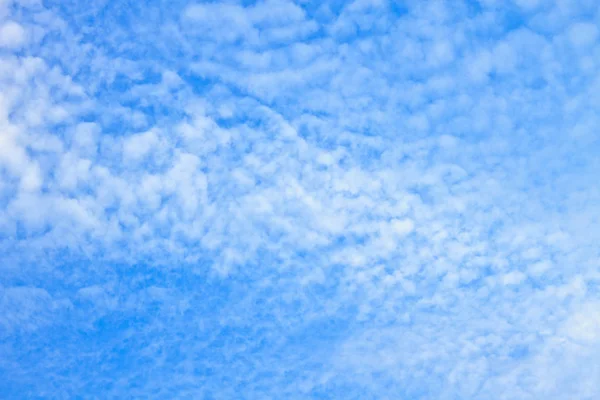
{"points": [[295, 200]]}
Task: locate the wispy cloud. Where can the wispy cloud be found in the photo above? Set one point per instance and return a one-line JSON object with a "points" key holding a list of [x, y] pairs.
{"points": [[284, 199]]}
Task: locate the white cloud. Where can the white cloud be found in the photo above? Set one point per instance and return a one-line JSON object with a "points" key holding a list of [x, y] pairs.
{"points": [[137, 146], [31, 179], [540, 267], [584, 326], [528, 5], [407, 193], [583, 34], [513, 278], [402, 227], [12, 35]]}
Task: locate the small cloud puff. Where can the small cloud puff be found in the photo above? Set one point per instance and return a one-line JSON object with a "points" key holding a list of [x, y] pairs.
{"points": [[12, 35]]}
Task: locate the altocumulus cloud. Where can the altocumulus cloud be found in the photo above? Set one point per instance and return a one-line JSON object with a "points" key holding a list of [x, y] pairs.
{"points": [[360, 200]]}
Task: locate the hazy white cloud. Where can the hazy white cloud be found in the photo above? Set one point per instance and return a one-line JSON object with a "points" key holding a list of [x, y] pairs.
{"points": [[583, 34], [302, 200], [12, 35], [135, 147]]}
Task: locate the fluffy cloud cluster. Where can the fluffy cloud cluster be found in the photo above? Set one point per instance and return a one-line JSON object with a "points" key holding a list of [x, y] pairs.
{"points": [[272, 199]]}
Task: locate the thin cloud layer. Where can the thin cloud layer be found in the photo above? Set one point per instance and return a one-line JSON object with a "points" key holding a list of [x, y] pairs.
{"points": [[273, 199]]}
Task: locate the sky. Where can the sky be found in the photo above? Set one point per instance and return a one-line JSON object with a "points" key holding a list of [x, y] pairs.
{"points": [[362, 199]]}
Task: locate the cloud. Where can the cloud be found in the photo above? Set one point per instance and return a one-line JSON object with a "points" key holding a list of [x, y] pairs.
{"points": [[583, 34], [12, 35], [298, 200], [137, 146], [264, 22]]}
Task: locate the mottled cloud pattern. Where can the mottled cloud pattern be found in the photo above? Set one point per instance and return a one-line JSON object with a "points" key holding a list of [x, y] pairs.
{"points": [[290, 200]]}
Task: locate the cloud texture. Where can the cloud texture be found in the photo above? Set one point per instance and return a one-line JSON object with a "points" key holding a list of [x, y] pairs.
{"points": [[275, 199]]}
